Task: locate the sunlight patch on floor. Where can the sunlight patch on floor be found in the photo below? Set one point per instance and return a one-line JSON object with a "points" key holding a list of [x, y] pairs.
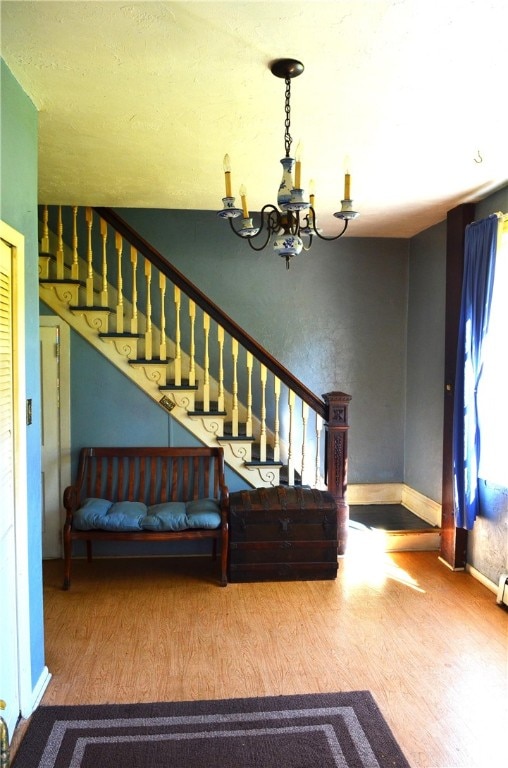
{"points": [[368, 563]]}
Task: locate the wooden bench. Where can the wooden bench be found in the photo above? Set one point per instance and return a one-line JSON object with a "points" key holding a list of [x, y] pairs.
{"points": [[147, 494]]}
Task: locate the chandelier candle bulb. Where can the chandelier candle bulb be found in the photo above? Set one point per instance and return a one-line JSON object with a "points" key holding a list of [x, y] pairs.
{"points": [[243, 195], [227, 174], [347, 186], [298, 166], [311, 192]]}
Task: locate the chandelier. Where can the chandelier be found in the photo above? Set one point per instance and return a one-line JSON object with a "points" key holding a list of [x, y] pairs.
{"points": [[293, 223]]}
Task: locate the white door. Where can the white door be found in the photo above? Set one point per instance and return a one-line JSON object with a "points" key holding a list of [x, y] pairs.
{"points": [[9, 663], [54, 340]]}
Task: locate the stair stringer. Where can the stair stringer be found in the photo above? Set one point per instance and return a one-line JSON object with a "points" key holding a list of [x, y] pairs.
{"points": [[173, 402]]}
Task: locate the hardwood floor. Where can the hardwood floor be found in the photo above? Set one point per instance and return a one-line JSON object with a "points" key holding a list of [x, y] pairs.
{"points": [[430, 644]]}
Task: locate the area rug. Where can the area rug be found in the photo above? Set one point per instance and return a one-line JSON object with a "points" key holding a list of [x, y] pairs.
{"points": [[331, 730]]}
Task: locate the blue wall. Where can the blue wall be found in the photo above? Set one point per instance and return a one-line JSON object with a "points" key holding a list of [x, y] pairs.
{"points": [[18, 208], [423, 440], [337, 319]]}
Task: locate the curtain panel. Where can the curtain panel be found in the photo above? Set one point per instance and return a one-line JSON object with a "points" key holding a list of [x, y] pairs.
{"points": [[479, 267]]}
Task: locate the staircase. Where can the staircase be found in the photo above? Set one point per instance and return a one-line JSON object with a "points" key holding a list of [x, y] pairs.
{"points": [[165, 335]]}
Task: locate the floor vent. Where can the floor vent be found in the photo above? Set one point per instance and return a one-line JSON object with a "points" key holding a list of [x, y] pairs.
{"points": [[502, 592]]}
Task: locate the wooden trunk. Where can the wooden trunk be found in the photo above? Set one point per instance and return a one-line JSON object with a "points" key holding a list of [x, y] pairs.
{"points": [[282, 534]]}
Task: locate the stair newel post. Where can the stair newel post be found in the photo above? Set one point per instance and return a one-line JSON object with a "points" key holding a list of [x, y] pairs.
{"points": [[248, 424], [60, 248], [192, 343], [262, 435], [119, 298], [89, 259], [134, 265], [336, 459], [319, 429], [220, 342], [162, 344], [234, 392], [75, 264], [148, 330], [276, 423], [305, 418], [104, 289], [291, 461], [206, 363], [177, 365]]}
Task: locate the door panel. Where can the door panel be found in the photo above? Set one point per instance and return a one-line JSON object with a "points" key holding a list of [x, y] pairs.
{"points": [[51, 449], [9, 682]]}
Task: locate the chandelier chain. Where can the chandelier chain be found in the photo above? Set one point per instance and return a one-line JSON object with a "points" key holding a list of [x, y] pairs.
{"points": [[287, 122]]}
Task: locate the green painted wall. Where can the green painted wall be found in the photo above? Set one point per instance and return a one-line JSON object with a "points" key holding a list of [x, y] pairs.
{"points": [[18, 208]]}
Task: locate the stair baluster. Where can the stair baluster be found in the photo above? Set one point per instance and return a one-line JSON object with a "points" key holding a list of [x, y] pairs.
{"points": [[119, 298], [192, 344], [104, 289], [148, 329], [291, 429], [318, 480], [177, 363], [162, 340], [89, 260], [75, 261], [134, 268], [262, 434], [220, 388], [305, 417], [234, 388], [60, 269], [276, 424], [248, 421], [206, 379]]}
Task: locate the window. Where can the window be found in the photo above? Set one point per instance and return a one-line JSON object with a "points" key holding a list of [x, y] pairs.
{"points": [[493, 385]]}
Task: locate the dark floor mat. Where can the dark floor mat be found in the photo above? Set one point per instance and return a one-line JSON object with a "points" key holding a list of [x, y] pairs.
{"points": [[387, 517]]}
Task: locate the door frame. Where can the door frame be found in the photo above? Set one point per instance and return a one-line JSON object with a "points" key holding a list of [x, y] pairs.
{"points": [[52, 321], [16, 242]]}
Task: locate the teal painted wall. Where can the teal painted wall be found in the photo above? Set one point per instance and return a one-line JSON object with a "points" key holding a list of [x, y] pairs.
{"points": [[18, 208], [423, 440], [337, 319]]}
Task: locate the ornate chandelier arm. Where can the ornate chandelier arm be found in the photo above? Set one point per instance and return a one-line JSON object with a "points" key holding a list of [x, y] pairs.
{"points": [[271, 220], [310, 223]]}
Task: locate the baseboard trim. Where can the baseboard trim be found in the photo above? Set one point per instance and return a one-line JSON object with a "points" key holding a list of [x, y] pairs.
{"points": [[375, 493], [38, 692], [396, 493], [482, 579]]}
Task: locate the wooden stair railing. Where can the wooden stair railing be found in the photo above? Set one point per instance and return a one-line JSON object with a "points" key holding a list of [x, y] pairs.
{"points": [[142, 317]]}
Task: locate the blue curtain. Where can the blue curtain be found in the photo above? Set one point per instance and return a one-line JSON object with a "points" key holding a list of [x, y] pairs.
{"points": [[479, 266]]}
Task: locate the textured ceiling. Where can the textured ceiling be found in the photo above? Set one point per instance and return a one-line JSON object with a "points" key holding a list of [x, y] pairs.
{"points": [[139, 101]]}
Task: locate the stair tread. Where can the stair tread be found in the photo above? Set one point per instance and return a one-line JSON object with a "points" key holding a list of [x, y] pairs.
{"points": [[151, 361], [84, 308], [124, 335], [210, 412], [172, 386]]}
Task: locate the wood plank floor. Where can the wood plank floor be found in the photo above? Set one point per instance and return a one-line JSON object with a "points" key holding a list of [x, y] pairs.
{"points": [[431, 645]]}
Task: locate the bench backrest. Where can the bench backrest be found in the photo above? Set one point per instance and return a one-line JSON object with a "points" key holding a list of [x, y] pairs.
{"points": [[150, 475]]}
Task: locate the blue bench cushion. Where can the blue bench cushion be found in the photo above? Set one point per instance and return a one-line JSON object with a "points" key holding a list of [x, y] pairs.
{"points": [[135, 516]]}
